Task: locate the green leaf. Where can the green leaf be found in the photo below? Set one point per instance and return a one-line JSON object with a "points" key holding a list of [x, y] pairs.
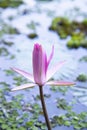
{"points": [[67, 123]]}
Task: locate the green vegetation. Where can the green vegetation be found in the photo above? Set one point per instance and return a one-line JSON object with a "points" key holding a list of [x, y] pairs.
{"points": [[19, 79], [3, 51], [8, 43], [62, 26], [7, 29], [16, 116], [62, 104], [84, 58], [78, 121], [62, 89], [9, 72], [32, 26], [82, 78], [8, 109], [32, 35], [77, 40], [77, 30], [10, 3], [15, 113]]}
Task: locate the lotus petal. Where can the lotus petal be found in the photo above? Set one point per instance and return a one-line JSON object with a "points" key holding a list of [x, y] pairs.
{"points": [[24, 86], [51, 55], [25, 74], [60, 83], [54, 69]]}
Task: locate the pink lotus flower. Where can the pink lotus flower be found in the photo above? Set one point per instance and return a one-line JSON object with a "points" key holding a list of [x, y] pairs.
{"points": [[41, 73]]}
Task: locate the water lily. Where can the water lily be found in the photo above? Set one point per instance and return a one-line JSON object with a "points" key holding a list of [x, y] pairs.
{"points": [[41, 73]]}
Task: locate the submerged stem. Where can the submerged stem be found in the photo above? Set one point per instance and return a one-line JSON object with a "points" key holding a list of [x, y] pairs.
{"points": [[44, 108]]}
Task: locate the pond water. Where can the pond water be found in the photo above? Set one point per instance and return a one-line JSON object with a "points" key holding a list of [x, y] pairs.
{"points": [[36, 17]]}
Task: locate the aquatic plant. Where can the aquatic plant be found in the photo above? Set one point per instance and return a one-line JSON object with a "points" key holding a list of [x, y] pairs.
{"points": [[77, 40], [32, 35], [76, 30], [10, 3], [62, 26], [82, 78], [41, 75], [32, 26], [84, 58], [7, 29]]}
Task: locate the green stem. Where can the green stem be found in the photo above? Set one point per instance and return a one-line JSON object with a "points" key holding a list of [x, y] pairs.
{"points": [[44, 108]]}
